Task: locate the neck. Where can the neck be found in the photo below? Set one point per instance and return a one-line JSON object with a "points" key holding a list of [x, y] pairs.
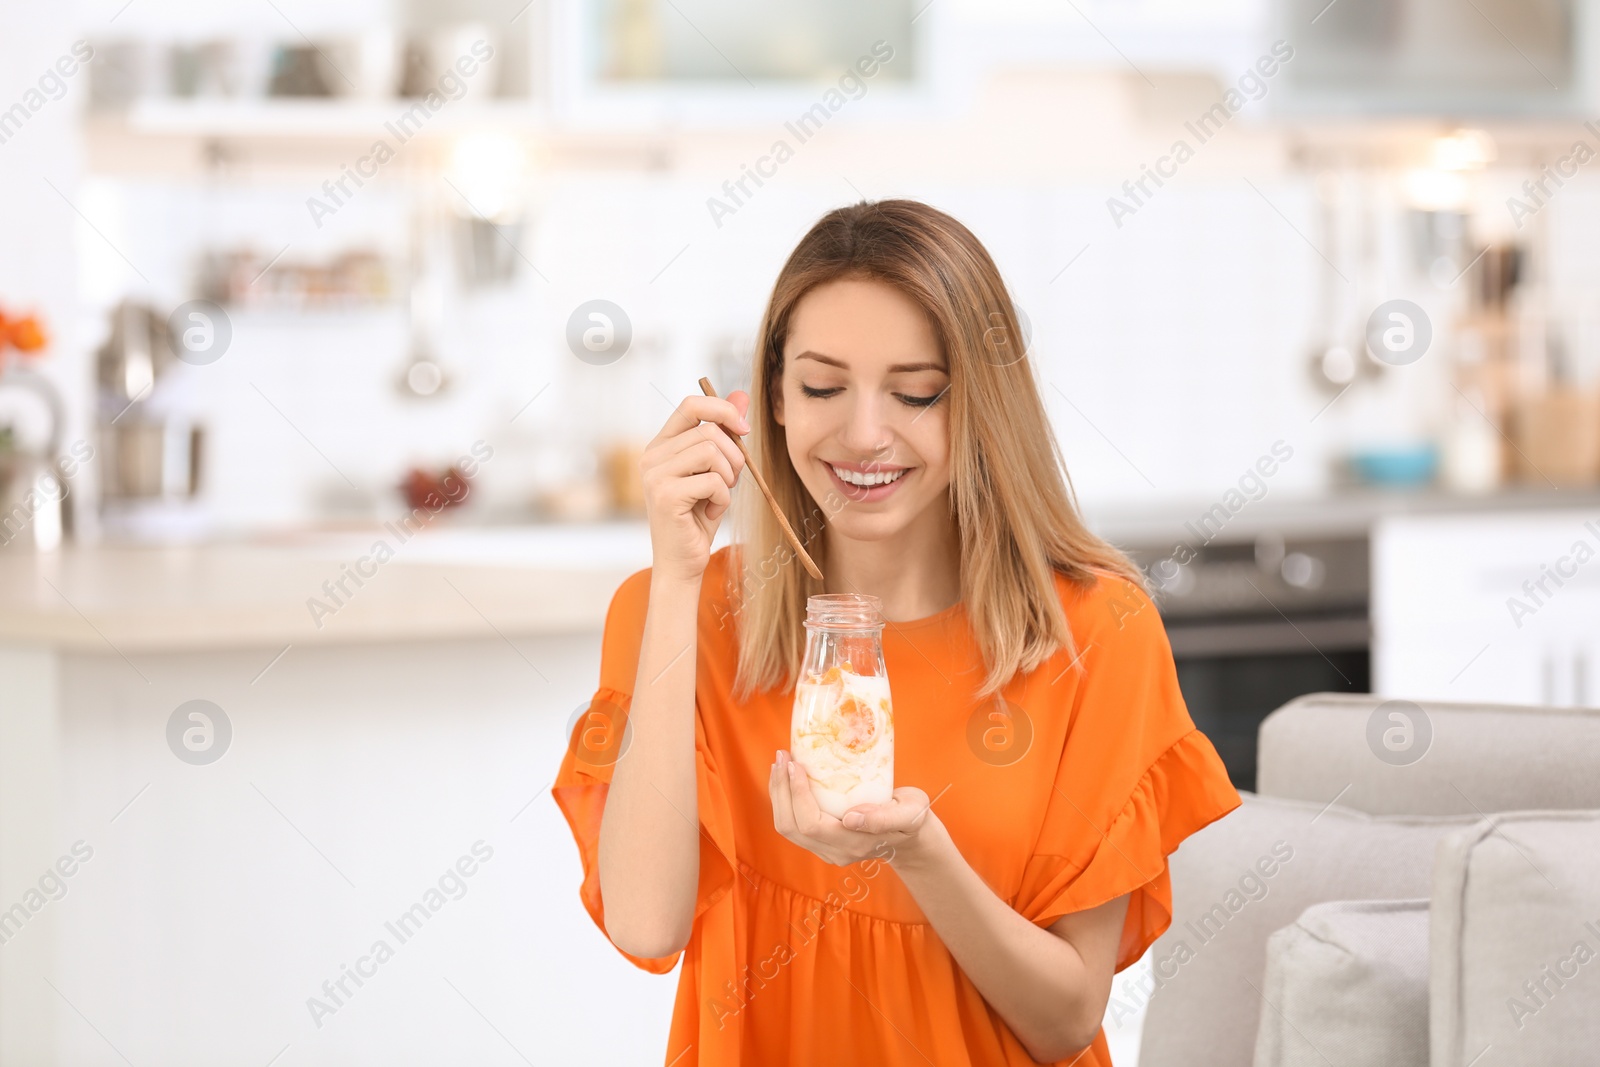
{"points": [[916, 573]]}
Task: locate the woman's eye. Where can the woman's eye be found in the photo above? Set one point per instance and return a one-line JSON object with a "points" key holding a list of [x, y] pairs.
{"points": [[904, 398]]}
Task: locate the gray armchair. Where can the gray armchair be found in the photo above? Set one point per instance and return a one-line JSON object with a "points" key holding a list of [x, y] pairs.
{"points": [[1414, 883]]}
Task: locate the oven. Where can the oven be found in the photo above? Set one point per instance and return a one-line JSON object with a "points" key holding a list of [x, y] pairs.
{"points": [[1255, 623]]}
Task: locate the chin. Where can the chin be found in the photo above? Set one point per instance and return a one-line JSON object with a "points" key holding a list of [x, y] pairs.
{"points": [[869, 522], [869, 527]]}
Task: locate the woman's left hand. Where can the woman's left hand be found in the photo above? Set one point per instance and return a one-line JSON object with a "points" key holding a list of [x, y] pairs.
{"points": [[868, 831]]}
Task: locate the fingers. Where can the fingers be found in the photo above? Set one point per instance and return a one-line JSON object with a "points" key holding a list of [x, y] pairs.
{"points": [[804, 802], [706, 433], [874, 819], [687, 471], [704, 448], [698, 458], [904, 813], [915, 802], [798, 818], [795, 814], [712, 493], [681, 493], [697, 409], [782, 805]]}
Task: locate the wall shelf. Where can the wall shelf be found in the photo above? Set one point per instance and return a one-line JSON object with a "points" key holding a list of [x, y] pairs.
{"points": [[332, 118]]}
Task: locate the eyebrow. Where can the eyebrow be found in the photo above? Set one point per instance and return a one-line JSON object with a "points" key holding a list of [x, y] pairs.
{"points": [[898, 368]]}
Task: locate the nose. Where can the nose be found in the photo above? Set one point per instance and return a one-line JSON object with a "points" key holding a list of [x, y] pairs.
{"points": [[867, 433]]}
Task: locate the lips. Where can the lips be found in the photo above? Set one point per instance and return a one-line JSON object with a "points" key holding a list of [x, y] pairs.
{"points": [[866, 482], [868, 477]]}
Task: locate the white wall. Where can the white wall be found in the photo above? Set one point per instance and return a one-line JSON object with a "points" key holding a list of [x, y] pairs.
{"points": [[39, 255]]}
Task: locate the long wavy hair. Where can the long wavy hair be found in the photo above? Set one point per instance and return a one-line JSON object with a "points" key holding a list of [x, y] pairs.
{"points": [[1015, 512]]}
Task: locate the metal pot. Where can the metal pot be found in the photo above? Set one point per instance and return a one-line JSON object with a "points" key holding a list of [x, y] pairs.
{"points": [[150, 459], [33, 488]]}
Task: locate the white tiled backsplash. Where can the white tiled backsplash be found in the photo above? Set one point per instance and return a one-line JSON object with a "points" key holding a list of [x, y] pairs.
{"points": [[1173, 350], [1169, 352]]}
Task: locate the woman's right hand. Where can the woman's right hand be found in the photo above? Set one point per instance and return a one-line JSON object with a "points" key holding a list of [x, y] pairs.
{"points": [[689, 473]]}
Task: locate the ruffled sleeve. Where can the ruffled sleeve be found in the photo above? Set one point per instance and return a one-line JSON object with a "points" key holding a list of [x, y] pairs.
{"points": [[1135, 776], [600, 737]]}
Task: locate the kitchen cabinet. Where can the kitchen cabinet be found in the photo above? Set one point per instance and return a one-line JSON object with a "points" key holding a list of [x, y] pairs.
{"points": [[1387, 58], [413, 734], [1488, 607], [791, 66]]}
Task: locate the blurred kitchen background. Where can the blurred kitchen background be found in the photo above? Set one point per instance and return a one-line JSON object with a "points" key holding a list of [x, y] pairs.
{"points": [[274, 274]]}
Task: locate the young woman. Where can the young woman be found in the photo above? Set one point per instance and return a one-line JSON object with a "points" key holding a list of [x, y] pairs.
{"points": [[1048, 761]]}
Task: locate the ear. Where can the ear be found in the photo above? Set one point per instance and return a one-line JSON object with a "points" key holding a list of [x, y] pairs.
{"points": [[777, 402]]}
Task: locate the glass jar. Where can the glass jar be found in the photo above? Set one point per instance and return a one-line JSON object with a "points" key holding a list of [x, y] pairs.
{"points": [[842, 728]]}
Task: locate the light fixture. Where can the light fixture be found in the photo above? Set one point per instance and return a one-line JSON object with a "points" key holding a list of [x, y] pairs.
{"points": [[1443, 183], [488, 170], [1436, 190], [1463, 150]]}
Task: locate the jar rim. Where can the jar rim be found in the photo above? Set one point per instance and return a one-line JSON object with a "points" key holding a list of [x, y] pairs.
{"points": [[844, 611]]}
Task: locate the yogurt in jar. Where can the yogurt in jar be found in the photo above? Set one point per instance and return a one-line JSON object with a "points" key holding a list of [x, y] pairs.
{"points": [[842, 733]]}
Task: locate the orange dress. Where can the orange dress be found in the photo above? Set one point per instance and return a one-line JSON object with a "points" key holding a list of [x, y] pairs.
{"points": [[1070, 794]]}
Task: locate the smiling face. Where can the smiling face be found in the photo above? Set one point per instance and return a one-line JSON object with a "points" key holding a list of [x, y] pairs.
{"points": [[864, 402]]}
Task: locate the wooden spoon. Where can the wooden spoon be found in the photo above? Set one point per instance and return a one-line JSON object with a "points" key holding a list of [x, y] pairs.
{"points": [[761, 483]]}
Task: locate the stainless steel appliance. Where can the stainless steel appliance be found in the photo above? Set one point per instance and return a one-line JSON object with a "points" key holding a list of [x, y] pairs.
{"points": [[150, 453], [35, 508], [1256, 622]]}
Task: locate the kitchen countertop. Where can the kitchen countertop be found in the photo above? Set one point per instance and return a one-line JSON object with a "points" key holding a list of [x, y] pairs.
{"points": [[1344, 513], [494, 582], [127, 599]]}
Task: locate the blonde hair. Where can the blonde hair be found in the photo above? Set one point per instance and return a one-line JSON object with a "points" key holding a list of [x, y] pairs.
{"points": [[1015, 511]]}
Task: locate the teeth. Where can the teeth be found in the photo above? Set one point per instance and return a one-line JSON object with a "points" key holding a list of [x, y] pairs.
{"points": [[876, 478]]}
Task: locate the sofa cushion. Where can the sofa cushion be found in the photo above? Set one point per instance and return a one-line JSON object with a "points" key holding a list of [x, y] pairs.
{"points": [[1239, 879], [1347, 983], [1387, 757], [1516, 941]]}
